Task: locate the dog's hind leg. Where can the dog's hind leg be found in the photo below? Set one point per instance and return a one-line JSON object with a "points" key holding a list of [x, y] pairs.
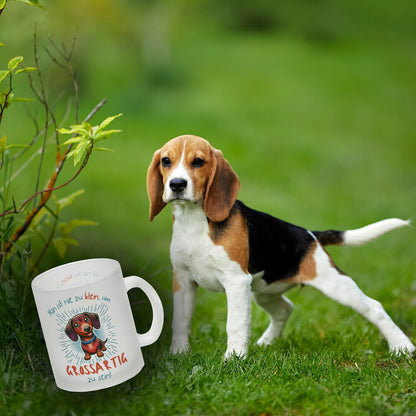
{"points": [[279, 309], [344, 290]]}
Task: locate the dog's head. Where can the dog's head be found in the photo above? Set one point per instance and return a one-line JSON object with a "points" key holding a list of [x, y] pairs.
{"points": [[82, 325], [189, 169]]}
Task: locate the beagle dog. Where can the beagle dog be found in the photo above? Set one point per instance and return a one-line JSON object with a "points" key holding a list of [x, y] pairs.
{"points": [[82, 326], [222, 245]]}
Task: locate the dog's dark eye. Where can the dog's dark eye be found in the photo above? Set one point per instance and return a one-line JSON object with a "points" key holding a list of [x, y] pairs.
{"points": [[166, 162], [86, 319], [198, 162], [76, 325]]}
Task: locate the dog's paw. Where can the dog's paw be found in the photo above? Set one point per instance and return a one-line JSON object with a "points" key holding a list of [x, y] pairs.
{"points": [[268, 337], [264, 340], [235, 352], [399, 349], [180, 348]]}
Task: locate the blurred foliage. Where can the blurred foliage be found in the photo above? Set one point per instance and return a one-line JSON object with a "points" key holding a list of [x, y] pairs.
{"points": [[135, 41], [312, 90]]}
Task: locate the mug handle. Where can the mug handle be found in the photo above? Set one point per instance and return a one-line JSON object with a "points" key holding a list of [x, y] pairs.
{"points": [[157, 324]]}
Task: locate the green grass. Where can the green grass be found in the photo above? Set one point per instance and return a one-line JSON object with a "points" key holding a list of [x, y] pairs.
{"points": [[299, 375], [321, 133]]}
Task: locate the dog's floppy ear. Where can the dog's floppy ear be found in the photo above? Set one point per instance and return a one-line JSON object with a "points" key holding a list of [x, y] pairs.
{"points": [[70, 331], [94, 319], [155, 186], [222, 189]]}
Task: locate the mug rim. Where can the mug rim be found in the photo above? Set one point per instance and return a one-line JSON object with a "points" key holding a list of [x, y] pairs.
{"points": [[37, 282]]}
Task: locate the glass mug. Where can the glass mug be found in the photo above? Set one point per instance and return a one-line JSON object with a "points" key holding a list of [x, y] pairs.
{"points": [[88, 324]]}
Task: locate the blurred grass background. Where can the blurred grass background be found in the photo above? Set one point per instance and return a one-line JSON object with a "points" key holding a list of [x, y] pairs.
{"points": [[313, 104]]}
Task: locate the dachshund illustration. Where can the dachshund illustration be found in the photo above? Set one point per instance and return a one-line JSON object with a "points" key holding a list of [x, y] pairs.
{"points": [[81, 326]]}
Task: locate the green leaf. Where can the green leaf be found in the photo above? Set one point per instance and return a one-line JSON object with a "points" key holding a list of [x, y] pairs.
{"points": [[71, 153], [3, 144], [6, 97], [2, 5], [76, 139], [76, 129], [28, 69], [105, 134], [103, 149], [65, 131], [42, 216], [30, 3], [17, 146], [107, 121], [14, 63], [3, 74], [81, 151], [67, 228], [22, 100], [68, 200], [61, 244]]}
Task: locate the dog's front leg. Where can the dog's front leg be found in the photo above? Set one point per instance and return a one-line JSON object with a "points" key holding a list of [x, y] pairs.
{"points": [[238, 292], [183, 308]]}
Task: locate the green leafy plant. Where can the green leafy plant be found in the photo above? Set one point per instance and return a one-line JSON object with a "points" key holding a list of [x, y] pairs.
{"points": [[6, 95], [79, 147], [32, 224], [85, 137], [58, 234]]}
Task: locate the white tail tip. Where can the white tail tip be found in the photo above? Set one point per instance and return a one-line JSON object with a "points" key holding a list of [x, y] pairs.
{"points": [[370, 232]]}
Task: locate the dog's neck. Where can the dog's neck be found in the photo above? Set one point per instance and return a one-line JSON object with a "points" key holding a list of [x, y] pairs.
{"points": [[88, 340], [185, 211], [190, 222]]}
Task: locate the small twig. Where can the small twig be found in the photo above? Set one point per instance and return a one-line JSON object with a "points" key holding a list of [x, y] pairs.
{"points": [[67, 57], [33, 118], [62, 51], [46, 245], [95, 110], [54, 59], [15, 211], [42, 99]]}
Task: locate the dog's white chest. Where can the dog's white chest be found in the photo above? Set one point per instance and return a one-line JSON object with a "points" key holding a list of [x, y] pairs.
{"points": [[194, 255]]}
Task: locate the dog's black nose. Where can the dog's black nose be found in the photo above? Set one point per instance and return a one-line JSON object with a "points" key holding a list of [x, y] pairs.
{"points": [[177, 184], [87, 329]]}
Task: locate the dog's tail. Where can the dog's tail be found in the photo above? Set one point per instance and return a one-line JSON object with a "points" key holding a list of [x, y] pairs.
{"points": [[359, 236]]}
